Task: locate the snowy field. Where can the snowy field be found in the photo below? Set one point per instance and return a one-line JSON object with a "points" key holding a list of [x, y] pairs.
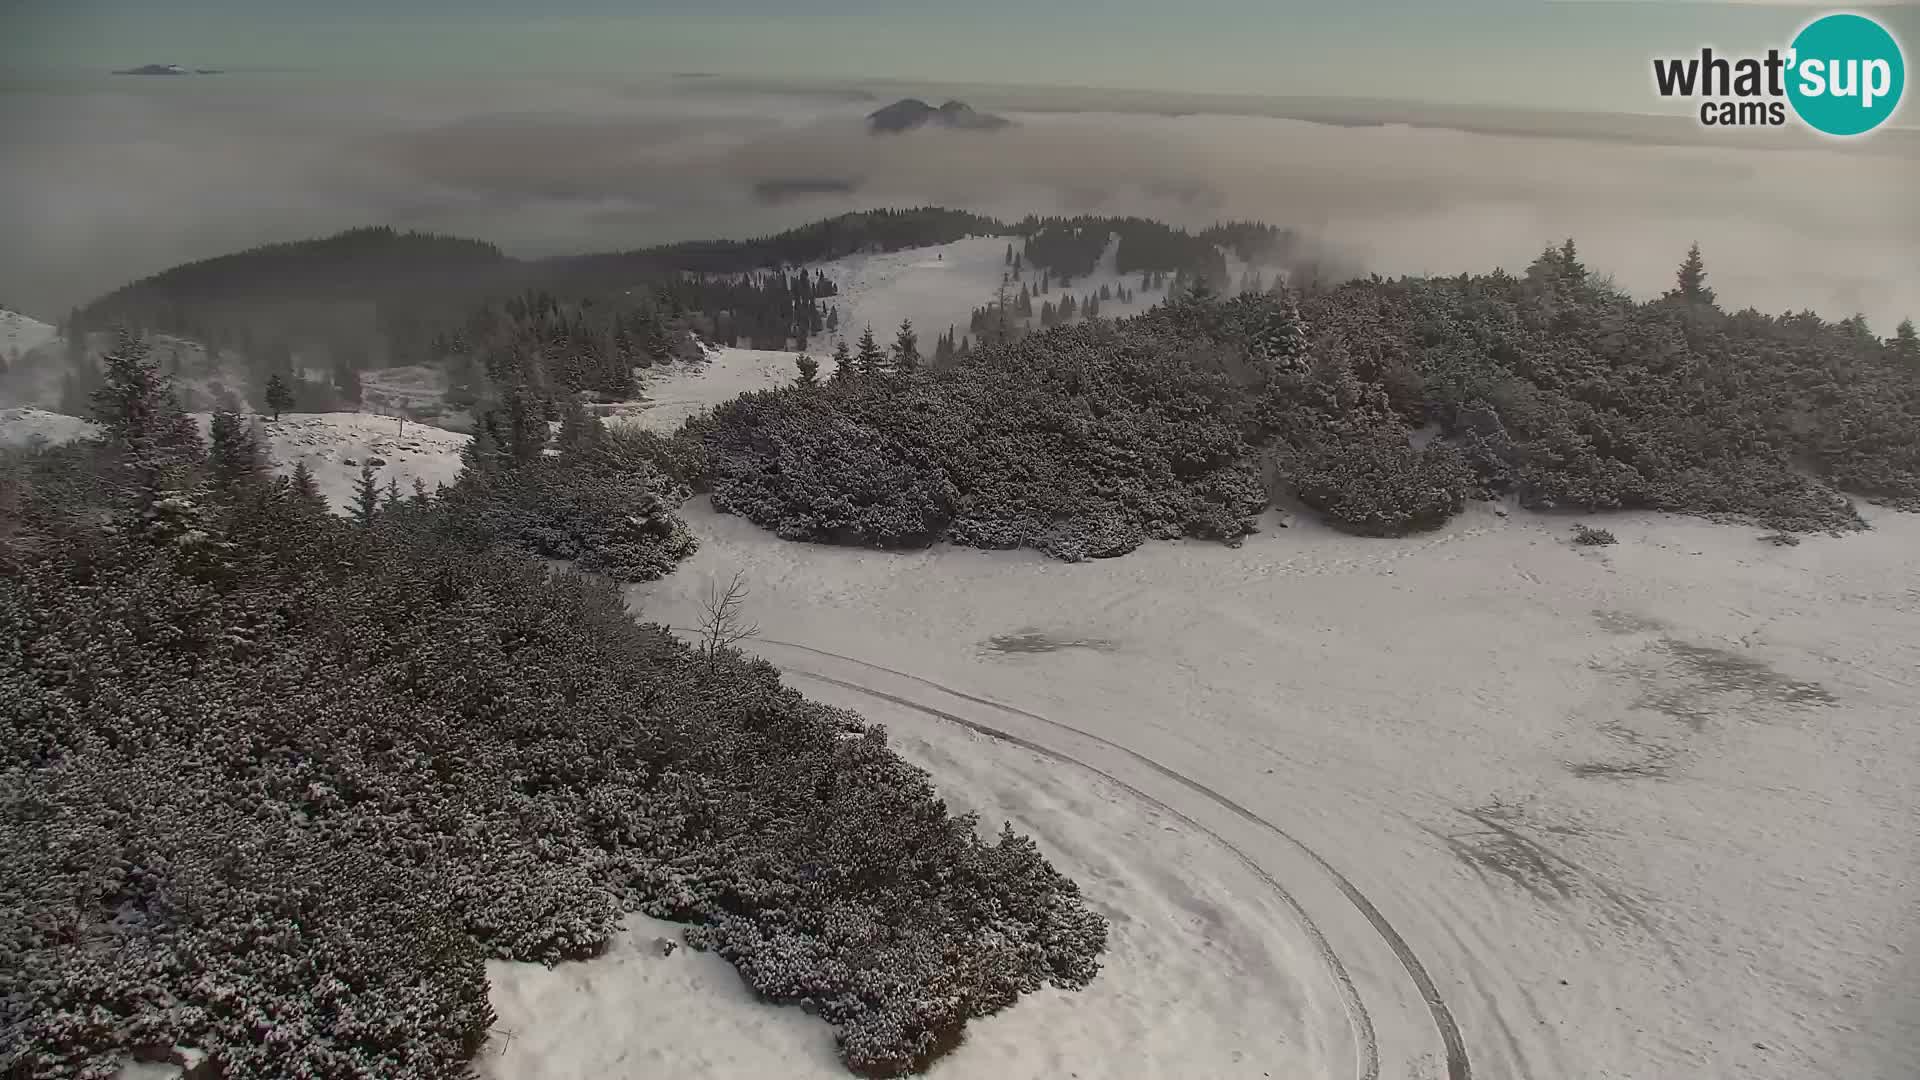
{"points": [[1645, 811], [673, 392], [334, 446], [25, 426], [20, 335], [938, 287]]}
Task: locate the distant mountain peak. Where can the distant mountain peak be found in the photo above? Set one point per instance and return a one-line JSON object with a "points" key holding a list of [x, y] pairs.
{"points": [[908, 114], [166, 69]]}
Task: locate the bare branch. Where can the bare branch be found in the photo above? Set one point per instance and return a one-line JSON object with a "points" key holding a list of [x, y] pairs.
{"points": [[723, 624]]}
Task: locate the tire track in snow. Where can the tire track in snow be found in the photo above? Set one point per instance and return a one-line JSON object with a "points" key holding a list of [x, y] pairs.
{"points": [[1356, 1010], [1458, 1065]]}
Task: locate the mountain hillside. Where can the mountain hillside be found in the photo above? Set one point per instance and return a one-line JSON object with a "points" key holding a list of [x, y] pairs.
{"points": [[908, 114]]}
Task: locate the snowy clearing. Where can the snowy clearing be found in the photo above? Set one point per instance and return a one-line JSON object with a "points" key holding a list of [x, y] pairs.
{"points": [[938, 287], [1642, 811], [334, 446], [676, 391], [22, 427], [21, 334]]}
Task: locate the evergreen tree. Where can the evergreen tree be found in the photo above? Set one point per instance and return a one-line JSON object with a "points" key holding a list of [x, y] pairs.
{"points": [[390, 499], [871, 360], [279, 395], [1570, 267], [580, 430], [1904, 344], [158, 448], [842, 361], [906, 348], [833, 320], [234, 460], [1048, 316], [1692, 279], [943, 350], [136, 407], [1016, 264], [1009, 260], [305, 489], [482, 453], [366, 497], [1066, 311], [1092, 306], [809, 370], [1281, 340], [526, 429]]}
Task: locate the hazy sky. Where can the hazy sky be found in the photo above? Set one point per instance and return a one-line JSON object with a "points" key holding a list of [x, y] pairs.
{"points": [[1585, 54], [563, 132]]}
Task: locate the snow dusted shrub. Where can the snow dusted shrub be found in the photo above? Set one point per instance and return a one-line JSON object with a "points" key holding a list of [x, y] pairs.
{"points": [[1380, 485], [283, 810], [1081, 442], [619, 522], [1588, 536], [797, 465]]}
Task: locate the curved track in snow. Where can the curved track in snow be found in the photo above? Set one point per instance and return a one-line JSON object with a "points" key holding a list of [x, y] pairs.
{"points": [[1458, 1067]]}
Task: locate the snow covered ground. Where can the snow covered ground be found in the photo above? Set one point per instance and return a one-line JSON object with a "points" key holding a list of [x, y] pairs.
{"points": [[334, 445], [1644, 811], [939, 287], [673, 392], [21, 334], [21, 427]]}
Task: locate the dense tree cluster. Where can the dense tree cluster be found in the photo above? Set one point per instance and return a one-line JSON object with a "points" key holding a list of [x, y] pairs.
{"points": [[590, 496], [847, 234], [1383, 405], [760, 310], [1081, 442], [276, 784]]}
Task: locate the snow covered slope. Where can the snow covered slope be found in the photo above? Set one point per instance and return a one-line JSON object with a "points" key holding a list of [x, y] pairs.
{"points": [[334, 445], [21, 427], [1644, 811], [676, 391], [939, 287], [20, 334]]}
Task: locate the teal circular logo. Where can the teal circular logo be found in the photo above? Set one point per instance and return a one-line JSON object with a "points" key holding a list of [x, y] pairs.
{"points": [[1846, 74]]}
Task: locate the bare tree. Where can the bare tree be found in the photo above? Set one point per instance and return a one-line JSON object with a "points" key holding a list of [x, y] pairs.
{"points": [[722, 619]]}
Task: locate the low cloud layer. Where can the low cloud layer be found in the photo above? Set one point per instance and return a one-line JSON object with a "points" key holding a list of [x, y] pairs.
{"points": [[108, 183]]}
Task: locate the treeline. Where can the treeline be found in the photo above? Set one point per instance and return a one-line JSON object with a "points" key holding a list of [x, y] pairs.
{"points": [[760, 310], [821, 241], [1072, 247], [193, 299], [277, 784], [1189, 420], [318, 314]]}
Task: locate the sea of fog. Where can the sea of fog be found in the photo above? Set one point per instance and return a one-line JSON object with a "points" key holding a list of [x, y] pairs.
{"points": [[110, 178]]}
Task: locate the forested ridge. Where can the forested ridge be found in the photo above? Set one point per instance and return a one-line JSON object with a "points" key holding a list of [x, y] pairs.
{"points": [[1384, 405], [319, 315], [275, 784]]}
